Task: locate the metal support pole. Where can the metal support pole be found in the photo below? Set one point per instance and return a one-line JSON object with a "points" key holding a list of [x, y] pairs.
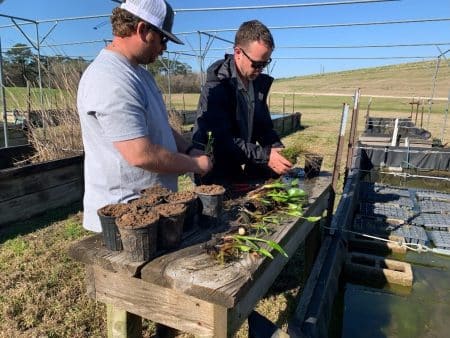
{"points": [[293, 102], [337, 161], [430, 100], [444, 126], [340, 146], [353, 127], [5, 114], [394, 134], [368, 111]]}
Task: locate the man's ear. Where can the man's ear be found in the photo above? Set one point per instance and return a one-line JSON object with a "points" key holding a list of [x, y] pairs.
{"points": [[142, 30]]}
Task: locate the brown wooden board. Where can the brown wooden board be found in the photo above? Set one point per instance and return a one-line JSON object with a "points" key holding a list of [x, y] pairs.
{"points": [[161, 305], [32, 204], [35, 182], [92, 251]]}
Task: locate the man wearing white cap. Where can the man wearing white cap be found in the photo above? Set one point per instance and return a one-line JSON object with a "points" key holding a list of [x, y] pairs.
{"points": [[128, 142]]}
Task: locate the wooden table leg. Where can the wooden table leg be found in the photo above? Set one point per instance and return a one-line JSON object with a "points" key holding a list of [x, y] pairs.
{"points": [[122, 324], [220, 325]]}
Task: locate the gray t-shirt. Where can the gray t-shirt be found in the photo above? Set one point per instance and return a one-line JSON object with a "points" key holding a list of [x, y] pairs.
{"points": [[116, 102]]}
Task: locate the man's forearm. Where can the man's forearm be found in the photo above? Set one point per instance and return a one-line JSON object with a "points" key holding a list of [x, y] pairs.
{"points": [[153, 157]]}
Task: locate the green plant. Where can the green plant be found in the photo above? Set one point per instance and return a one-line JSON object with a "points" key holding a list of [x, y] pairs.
{"points": [[252, 244], [209, 144], [290, 153]]}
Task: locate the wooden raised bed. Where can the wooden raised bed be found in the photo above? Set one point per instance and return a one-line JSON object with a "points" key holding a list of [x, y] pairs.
{"points": [[34, 189]]}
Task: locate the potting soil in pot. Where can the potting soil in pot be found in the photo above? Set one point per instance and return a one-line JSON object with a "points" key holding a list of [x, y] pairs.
{"points": [[156, 190], [211, 202], [147, 201], [139, 235], [189, 198], [170, 227]]}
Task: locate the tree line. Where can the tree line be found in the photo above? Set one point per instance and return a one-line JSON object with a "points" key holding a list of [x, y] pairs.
{"points": [[20, 69]]}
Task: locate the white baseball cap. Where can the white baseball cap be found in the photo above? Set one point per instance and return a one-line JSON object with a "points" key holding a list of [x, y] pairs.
{"points": [[158, 13]]}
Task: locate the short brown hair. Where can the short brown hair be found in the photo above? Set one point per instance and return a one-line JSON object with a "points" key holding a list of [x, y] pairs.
{"points": [[253, 30], [123, 22]]}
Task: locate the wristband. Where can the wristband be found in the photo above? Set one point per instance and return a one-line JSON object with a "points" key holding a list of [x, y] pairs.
{"points": [[188, 150]]}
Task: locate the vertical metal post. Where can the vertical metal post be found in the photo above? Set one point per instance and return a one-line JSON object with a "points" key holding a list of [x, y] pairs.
{"points": [[353, 127], [202, 76], [445, 119], [341, 138], [5, 114], [368, 111], [168, 82], [394, 134], [284, 101], [293, 102], [41, 94], [337, 161], [430, 100]]}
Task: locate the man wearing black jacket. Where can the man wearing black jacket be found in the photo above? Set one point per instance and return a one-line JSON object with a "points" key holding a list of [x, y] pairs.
{"points": [[233, 109]]}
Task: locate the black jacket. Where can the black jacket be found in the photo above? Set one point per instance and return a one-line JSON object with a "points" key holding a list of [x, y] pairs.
{"points": [[223, 110]]}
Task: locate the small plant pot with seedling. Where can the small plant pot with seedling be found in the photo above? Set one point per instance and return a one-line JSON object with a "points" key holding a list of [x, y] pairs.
{"points": [[170, 227], [190, 199], [108, 215], [313, 163], [211, 203], [139, 235]]}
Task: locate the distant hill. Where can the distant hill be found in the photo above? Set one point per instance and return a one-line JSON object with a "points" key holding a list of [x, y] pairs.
{"points": [[409, 80]]}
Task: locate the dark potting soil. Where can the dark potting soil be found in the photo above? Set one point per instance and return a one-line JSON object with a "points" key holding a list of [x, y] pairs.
{"points": [[156, 190], [114, 210], [212, 189], [147, 200], [181, 197], [132, 220], [167, 210]]}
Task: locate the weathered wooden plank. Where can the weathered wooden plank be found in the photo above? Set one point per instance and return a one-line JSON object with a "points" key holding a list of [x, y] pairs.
{"points": [[40, 167], [161, 305], [92, 252], [194, 272], [15, 187], [34, 204]]}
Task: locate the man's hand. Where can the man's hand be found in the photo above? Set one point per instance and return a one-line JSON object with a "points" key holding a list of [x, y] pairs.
{"points": [[204, 164], [278, 163]]}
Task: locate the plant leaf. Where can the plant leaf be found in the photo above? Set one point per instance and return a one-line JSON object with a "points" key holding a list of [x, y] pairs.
{"points": [[277, 247], [265, 252], [313, 219]]}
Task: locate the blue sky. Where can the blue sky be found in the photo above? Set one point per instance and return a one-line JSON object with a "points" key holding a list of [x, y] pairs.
{"points": [[294, 54]]}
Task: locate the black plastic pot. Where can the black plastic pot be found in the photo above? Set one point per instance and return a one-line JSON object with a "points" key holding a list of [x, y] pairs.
{"points": [[170, 226], [192, 205], [110, 232], [210, 209], [313, 163], [139, 242]]}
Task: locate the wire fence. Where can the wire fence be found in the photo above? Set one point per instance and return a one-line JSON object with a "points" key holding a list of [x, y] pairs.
{"points": [[200, 52]]}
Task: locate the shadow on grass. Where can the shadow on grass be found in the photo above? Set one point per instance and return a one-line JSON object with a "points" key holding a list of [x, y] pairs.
{"points": [[37, 222]]}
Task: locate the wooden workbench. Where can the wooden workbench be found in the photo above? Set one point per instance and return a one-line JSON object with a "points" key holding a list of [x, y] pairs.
{"points": [[187, 289]]}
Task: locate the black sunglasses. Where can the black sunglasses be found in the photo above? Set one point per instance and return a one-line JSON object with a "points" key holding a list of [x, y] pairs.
{"points": [[164, 39], [257, 64]]}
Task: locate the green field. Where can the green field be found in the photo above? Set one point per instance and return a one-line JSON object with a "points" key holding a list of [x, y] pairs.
{"points": [[42, 292]]}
